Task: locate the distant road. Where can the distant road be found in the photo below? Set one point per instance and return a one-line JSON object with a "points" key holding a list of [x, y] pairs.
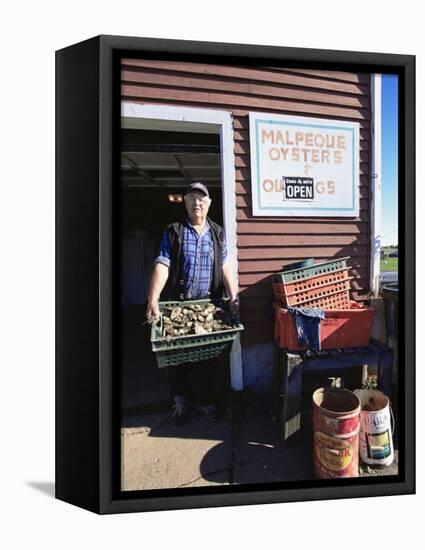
{"points": [[388, 276]]}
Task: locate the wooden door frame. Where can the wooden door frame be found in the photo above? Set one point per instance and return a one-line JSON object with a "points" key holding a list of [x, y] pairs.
{"points": [[174, 118]]}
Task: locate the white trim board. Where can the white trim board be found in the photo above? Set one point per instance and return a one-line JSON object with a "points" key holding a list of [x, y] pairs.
{"points": [[375, 184], [186, 119]]}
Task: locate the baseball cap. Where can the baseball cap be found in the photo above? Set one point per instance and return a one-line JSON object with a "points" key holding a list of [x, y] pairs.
{"points": [[199, 186]]}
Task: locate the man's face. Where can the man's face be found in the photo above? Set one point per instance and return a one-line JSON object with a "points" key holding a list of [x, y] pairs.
{"points": [[197, 204]]}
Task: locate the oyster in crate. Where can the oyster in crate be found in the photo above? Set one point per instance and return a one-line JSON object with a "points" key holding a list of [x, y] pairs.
{"points": [[197, 319]]}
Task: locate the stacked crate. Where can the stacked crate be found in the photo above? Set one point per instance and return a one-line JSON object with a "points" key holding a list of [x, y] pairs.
{"points": [[324, 285]]}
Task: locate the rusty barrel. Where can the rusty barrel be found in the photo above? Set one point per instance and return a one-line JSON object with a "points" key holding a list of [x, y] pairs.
{"points": [[336, 426]]}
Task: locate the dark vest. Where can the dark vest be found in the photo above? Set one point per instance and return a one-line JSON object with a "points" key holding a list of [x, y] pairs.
{"points": [[175, 284]]}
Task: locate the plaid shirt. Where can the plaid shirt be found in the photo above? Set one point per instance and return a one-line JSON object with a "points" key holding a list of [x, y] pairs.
{"points": [[198, 259]]}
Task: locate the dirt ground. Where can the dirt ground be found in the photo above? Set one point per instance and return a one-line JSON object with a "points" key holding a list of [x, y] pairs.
{"points": [[244, 447]]}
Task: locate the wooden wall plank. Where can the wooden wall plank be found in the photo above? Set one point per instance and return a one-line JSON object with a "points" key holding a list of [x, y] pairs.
{"points": [[359, 78], [245, 213], [299, 251], [300, 239], [257, 74], [288, 227], [241, 101], [234, 86]]}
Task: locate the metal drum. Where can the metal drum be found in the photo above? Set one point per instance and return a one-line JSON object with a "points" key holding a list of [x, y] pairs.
{"points": [[336, 425]]}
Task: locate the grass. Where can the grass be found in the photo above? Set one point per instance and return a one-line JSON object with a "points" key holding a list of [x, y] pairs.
{"points": [[391, 265]]}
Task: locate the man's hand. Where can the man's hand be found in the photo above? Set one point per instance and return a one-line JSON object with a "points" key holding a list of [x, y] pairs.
{"points": [[152, 311], [231, 289], [234, 307], [159, 278]]}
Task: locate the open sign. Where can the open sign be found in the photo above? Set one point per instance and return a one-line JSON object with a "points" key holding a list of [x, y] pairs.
{"points": [[298, 188]]}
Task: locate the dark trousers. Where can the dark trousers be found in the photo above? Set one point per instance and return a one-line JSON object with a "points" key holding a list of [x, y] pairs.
{"points": [[201, 383]]}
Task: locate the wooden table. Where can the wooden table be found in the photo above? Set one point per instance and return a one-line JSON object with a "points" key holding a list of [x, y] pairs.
{"points": [[289, 367]]}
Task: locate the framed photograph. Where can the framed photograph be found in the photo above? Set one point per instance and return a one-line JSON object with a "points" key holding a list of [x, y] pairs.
{"points": [[235, 242]]}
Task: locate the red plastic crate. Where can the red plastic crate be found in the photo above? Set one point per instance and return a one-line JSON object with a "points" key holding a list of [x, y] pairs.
{"points": [[334, 297], [344, 328], [330, 291]]}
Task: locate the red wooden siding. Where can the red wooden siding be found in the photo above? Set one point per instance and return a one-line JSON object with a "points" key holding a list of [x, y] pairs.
{"points": [[264, 244]]}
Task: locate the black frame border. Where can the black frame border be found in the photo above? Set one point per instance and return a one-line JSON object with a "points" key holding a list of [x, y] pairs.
{"points": [[102, 454]]}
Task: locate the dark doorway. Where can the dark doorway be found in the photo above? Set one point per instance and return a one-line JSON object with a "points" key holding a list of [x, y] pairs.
{"points": [[154, 165]]}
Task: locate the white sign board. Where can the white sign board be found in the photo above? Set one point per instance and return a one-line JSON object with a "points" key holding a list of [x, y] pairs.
{"points": [[303, 166]]}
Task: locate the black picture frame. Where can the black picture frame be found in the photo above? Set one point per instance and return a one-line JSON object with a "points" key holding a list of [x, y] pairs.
{"points": [[87, 354]]}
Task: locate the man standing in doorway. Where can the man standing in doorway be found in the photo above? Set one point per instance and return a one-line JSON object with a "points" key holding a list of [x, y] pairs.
{"points": [[193, 265]]}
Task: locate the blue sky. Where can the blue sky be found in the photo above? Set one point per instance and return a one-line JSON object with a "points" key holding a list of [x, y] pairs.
{"points": [[389, 224]]}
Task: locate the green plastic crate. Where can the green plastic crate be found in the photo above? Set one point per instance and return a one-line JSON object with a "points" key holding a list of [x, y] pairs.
{"points": [[313, 271], [190, 348]]}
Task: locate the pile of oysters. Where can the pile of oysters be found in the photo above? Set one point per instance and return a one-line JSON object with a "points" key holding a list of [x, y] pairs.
{"points": [[194, 319]]}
